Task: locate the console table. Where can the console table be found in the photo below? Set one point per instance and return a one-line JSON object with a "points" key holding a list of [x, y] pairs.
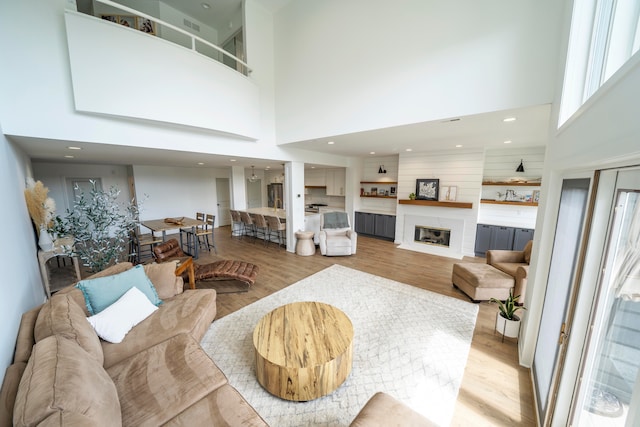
{"points": [[58, 251]]}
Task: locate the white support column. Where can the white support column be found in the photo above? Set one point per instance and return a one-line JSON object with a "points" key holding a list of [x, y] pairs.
{"points": [[294, 195], [238, 188]]}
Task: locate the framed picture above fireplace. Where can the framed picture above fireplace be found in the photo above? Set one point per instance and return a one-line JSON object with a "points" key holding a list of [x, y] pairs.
{"points": [[427, 189]]}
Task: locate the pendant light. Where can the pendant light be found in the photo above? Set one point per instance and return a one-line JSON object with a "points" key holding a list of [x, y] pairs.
{"points": [[253, 177], [520, 167]]}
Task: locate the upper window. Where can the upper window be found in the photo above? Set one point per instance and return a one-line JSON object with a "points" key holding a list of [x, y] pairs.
{"points": [[604, 35]]}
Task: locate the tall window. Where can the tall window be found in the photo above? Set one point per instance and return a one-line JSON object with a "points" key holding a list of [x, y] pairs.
{"points": [[605, 34]]}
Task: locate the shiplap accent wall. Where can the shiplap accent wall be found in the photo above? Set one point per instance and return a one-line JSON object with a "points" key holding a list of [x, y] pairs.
{"points": [[500, 165], [370, 173], [463, 169]]}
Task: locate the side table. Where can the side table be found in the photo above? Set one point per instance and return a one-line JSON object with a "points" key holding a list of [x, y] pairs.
{"points": [[186, 264], [304, 243], [43, 257]]}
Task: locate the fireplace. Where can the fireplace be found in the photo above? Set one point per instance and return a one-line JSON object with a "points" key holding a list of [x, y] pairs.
{"points": [[432, 235], [444, 239]]}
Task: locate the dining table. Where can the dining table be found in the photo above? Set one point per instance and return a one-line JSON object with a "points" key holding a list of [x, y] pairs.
{"points": [[165, 224]]}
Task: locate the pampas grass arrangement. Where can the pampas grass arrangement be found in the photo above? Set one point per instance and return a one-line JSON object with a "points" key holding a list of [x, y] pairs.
{"points": [[41, 207]]}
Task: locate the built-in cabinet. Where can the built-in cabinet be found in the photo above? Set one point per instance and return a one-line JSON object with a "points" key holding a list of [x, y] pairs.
{"points": [[501, 237], [376, 225], [335, 180], [331, 179], [315, 178]]}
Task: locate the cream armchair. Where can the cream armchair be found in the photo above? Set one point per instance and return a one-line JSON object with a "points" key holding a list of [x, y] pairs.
{"points": [[336, 237]]}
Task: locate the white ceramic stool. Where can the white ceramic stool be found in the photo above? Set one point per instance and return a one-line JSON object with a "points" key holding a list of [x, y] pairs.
{"points": [[304, 243]]}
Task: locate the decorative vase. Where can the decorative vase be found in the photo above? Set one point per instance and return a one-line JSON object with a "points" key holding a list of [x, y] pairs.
{"points": [[506, 327], [44, 241]]}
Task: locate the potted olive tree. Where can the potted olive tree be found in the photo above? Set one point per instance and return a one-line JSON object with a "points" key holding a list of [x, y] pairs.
{"points": [[101, 228], [507, 323]]}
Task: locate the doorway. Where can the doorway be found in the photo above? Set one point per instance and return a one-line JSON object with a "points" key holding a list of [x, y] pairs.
{"points": [[224, 201], [78, 186]]}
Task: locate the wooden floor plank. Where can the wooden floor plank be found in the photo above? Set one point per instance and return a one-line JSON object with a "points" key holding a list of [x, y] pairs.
{"points": [[495, 390]]}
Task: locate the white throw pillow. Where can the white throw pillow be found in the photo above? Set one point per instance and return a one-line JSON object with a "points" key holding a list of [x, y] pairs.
{"points": [[115, 321]]}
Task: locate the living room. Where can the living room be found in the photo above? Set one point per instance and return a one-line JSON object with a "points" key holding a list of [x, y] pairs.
{"points": [[41, 114]]}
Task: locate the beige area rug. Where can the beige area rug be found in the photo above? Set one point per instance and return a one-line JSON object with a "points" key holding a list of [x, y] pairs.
{"points": [[408, 342]]}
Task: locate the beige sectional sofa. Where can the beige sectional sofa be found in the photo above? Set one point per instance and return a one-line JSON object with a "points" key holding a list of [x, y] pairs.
{"points": [[63, 374]]}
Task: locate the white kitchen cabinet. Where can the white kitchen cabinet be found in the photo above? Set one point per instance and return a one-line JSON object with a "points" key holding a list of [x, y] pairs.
{"points": [[315, 178], [335, 179]]}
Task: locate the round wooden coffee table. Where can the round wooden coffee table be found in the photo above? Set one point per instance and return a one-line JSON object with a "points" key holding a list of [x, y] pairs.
{"points": [[303, 350]]}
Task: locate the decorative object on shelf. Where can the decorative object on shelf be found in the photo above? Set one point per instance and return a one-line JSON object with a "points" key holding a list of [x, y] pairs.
{"points": [[374, 191], [520, 167], [448, 193], [392, 190], [382, 169], [507, 323], [412, 196], [427, 189], [536, 196]]}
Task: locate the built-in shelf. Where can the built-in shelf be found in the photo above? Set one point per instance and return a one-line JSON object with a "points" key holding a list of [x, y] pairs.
{"points": [[315, 186], [514, 184], [379, 182], [379, 197], [460, 205], [504, 202]]}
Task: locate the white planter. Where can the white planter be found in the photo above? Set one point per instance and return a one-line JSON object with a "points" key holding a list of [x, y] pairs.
{"points": [[508, 328], [45, 242]]}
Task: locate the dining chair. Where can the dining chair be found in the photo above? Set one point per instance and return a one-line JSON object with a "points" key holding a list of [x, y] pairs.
{"points": [[204, 234], [276, 229], [247, 224], [141, 245], [260, 227]]}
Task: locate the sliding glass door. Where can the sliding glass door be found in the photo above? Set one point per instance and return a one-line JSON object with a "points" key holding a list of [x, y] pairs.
{"points": [[568, 234], [607, 391]]}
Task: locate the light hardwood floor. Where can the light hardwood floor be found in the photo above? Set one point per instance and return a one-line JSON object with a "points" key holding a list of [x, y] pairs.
{"points": [[495, 390]]}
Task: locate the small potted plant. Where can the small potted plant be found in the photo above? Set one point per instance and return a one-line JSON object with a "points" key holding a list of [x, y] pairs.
{"points": [[507, 323], [412, 196]]}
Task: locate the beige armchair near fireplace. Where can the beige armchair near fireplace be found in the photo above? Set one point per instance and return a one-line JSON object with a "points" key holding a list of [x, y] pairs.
{"points": [[513, 263]]}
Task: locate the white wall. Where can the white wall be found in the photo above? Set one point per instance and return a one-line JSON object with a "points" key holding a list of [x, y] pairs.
{"points": [[409, 61], [500, 165], [21, 285], [175, 192], [54, 177]]}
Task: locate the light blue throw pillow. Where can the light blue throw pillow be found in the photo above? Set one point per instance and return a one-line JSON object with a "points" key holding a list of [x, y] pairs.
{"points": [[101, 292]]}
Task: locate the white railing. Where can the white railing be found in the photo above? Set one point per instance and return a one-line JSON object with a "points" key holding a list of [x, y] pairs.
{"points": [[246, 70]]}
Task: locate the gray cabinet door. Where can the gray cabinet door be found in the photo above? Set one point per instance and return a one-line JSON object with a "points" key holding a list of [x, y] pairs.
{"points": [[385, 226], [365, 223], [502, 238], [483, 239], [521, 237]]}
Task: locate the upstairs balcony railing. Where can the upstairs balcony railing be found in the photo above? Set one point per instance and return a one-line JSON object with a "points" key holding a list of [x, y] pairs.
{"points": [[154, 26]]}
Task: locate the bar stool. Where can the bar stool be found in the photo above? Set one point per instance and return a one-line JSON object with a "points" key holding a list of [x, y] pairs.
{"points": [[236, 223], [276, 228], [247, 224], [260, 227]]}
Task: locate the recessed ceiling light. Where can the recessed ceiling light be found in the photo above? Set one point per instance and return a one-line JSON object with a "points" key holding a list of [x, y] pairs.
{"points": [[372, 152], [200, 163], [267, 167], [206, 6], [232, 160], [330, 142], [509, 119], [459, 146], [409, 149], [74, 148], [508, 142], [313, 167], [68, 156]]}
